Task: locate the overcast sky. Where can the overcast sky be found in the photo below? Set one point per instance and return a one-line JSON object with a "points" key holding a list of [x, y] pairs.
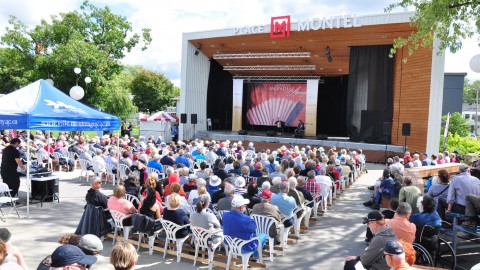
{"points": [[169, 19]]}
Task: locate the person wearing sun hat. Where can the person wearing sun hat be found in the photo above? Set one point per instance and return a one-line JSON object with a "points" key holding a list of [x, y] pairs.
{"points": [[237, 224], [372, 256]]}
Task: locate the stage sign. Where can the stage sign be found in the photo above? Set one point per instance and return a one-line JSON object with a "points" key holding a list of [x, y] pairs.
{"points": [[268, 103]]}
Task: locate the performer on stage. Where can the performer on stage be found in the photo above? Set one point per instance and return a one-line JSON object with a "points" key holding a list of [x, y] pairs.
{"points": [[300, 126], [279, 124]]}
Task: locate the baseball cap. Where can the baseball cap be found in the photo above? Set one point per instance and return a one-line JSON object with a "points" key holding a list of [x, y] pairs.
{"points": [[91, 244], [373, 216], [240, 182], [173, 178], [266, 194], [68, 254], [425, 154], [239, 201], [214, 181], [5, 234], [393, 247]]}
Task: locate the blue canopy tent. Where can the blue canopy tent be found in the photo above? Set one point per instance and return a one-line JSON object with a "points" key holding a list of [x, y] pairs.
{"points": [[41, 106]]}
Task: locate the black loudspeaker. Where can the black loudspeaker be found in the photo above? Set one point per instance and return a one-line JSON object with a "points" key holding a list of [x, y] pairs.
{"points": [[242, 132], [322, 137], [387, 128], [271, 133], [299, 134], [183, 118], [406, 129], [193, 118]]}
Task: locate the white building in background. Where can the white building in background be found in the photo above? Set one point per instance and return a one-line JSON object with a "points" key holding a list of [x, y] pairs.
{"points": [[469, 112]]}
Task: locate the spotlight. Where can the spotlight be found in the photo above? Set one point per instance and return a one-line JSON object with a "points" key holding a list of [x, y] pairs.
{"points": [[196, 52], [199, 47], [329, 58], [327, 51]]}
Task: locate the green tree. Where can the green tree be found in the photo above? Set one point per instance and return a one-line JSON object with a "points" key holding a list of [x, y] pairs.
{"points": [[458, 125], [463, 145], [152, 92], [450, 21], [93, 39], [470, 91]]}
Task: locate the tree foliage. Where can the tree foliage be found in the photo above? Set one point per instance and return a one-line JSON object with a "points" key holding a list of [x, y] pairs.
{"points": [[457, 125], [152, 92], [449, 20], [464, 145], [470, 91], [93, 39]]}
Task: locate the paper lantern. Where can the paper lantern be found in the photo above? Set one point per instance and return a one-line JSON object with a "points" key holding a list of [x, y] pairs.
{"points": [[77, 70], [77, 92], [475, 63], [49, 81], [88, 79]]}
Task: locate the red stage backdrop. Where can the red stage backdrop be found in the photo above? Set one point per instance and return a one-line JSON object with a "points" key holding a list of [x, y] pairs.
{"points": [[269, 102]]}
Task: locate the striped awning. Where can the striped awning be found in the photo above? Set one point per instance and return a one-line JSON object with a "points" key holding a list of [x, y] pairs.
{"points": [[159, 116]]}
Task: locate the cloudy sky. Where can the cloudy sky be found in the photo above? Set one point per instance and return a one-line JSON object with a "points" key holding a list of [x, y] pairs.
{"points": [[169, 19]]}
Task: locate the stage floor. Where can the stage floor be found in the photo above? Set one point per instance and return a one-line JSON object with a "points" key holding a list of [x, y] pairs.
{"points": [[288, 139]]}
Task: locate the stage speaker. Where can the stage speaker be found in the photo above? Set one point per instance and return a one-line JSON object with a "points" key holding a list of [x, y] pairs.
{"points": [[271, 133], [242, 132], [322, 137], [193, 118], [406, 129], [183, 118], [387, 128], [299, 134]]}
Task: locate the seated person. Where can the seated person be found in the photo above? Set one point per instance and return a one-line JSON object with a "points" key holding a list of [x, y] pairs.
{"points": [[175, 214], [155, 163], [427, 216], [265, 208], [71, 257], [386, 190], [472, 210], [225, 203], [151, 208], [207, 220], [152, 183], [124, 256], [300, 126], [285, 203], [404, 229], [237, 224], [252, 195], [10, 257], [388, 214], [118, 203]]}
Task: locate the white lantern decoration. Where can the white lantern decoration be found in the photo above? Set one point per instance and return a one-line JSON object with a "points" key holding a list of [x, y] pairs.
{"points": [[77, 92], [77, 70], [88, 79], [49, 81], [475, 63]]}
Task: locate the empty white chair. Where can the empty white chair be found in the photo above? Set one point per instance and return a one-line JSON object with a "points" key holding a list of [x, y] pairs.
{"points": [[118, 220], [6, 198], [170, 231], [110, 167], [235, 248], [122, 168], [203, 239], [84, 164], [263, 226], [316, 201]]}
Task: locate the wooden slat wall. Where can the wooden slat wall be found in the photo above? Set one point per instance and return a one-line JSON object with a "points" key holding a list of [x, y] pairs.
{"points": [[411, 100]]}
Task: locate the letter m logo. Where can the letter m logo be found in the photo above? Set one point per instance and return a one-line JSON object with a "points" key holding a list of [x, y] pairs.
{"points": [[280, 27]]}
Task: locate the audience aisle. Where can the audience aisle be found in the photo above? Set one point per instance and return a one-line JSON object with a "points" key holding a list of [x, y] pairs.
{"points": [[337, 234]]}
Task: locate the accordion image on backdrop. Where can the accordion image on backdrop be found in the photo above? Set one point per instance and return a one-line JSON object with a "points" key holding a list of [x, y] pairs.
{"points": [[271, 102]]}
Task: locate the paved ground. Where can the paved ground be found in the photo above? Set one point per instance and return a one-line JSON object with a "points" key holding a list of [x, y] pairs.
{"points": [[337, 234]]}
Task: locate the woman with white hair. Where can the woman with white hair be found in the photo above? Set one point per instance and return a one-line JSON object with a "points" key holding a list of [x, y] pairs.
{"points": [[250, 147], [276, 184]]}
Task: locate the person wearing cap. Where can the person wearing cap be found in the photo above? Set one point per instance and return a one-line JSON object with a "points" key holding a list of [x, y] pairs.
{"points": [[285, 203], [371, 257], [237, 224], [7, 251], [173, 178], [221, 150], [394, 254], [461, 185], [225, 203], [265, 208], [91, 245], [10, 161], [257, 172], [71, 257]]}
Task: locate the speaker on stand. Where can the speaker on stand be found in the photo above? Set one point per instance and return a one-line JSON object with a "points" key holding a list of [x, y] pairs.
{"points": [[183, 120], [193, 121], [406, 132]]}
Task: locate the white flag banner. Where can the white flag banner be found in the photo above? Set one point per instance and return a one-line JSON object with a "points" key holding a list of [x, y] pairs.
{"points": [[445, 133]]}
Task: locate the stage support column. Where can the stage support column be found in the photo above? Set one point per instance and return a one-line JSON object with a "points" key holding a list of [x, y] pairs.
{"points": [[311, 108], [237, 104]]}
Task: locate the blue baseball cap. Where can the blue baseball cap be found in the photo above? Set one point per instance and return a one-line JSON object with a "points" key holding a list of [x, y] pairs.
{"points": [[68, 254]]}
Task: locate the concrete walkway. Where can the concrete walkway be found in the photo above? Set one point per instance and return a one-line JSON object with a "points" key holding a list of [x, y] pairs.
{"points": [[337, 234]]}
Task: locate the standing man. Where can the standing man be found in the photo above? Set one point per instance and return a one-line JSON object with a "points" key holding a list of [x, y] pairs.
{"points": [[129, 129], [175, 133], [10, 161]]}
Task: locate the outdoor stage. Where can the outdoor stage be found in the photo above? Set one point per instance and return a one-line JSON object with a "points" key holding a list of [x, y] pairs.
{"points": [[374, 152]]}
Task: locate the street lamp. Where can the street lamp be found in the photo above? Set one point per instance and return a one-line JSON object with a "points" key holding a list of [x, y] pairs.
{"points": [[77, 92], [475, 67]]}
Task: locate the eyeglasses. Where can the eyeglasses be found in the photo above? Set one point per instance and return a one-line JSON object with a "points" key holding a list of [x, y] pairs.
{"points": [[386, 254]]}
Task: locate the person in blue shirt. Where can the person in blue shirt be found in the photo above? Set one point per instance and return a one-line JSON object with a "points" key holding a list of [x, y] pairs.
{"points": [[220, 151], [239, 225], [387, 189], [285, 203], [155, 163], [429, 216], [181, 159]]}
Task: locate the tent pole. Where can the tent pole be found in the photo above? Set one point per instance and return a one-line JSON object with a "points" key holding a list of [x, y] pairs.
{"points": [[28, 174], [118, 158]]}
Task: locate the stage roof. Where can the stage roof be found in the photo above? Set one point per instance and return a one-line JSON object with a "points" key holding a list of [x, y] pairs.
{"points": [[379, 31]]}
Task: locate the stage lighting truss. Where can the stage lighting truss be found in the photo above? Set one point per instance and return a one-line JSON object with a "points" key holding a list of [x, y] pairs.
{"points": [[261, 55], [273, 67], [283, 79]]}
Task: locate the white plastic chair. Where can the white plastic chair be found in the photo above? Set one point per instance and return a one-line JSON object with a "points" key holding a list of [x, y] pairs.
{"points": [[170, 230], [109, 167], [165, 167], [264, 224], [97, 172], [72, 156], [326, 193], [132, 199], [153, 170], [203, 239], [122, 168], [57, 156], [118, 220], [220, 214], [6, 197], [298, 220], [43, 155], [151, 239], [84, 164], [235, 248], [286, 232]]}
